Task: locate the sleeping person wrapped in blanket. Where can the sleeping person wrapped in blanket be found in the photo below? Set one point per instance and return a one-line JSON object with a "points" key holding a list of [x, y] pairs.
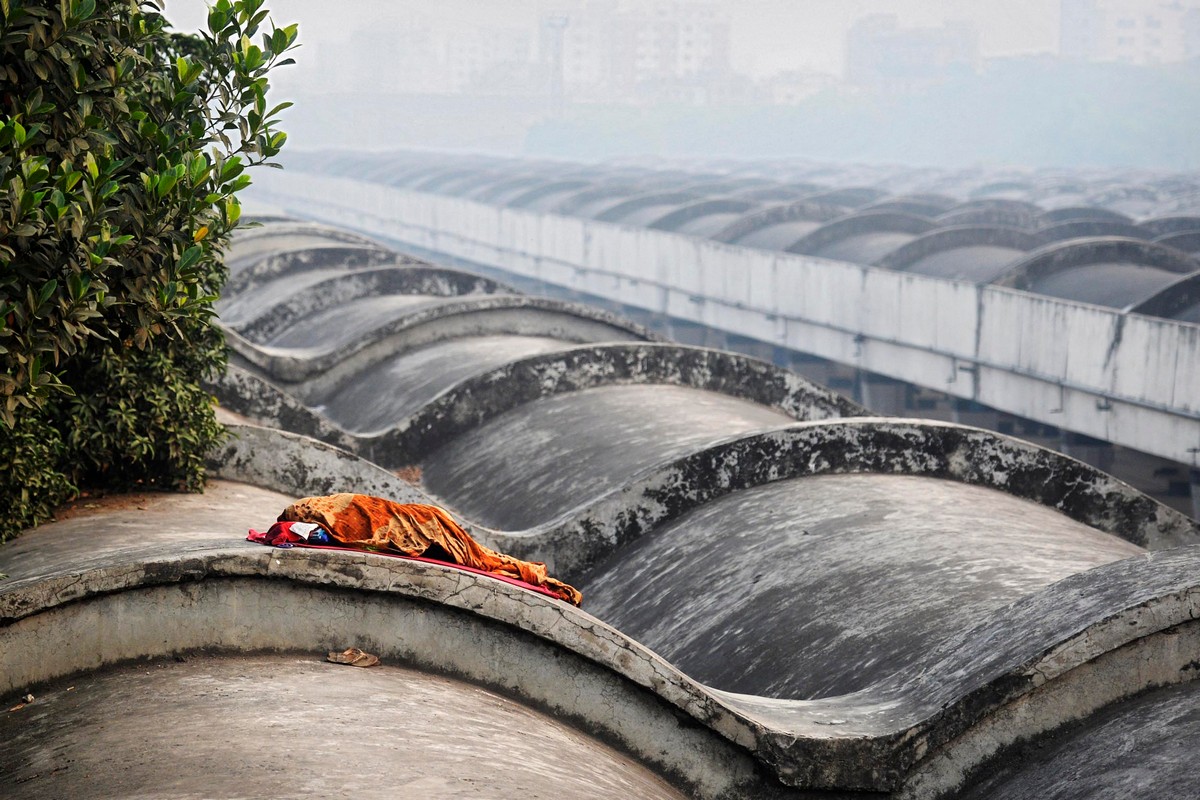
{"points": [[417, 531]]}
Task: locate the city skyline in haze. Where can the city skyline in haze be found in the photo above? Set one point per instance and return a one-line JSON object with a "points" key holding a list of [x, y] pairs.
{"points": [[766, 36]]}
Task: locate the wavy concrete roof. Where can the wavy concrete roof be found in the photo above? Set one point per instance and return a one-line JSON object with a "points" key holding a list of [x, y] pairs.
{"points": [[862, 238], [782, 201], [979, 253], [1109, 271], [782, 598]]}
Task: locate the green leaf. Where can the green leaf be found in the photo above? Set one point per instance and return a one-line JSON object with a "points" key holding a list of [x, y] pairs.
{"points": [[48, 289], [190, 257]]}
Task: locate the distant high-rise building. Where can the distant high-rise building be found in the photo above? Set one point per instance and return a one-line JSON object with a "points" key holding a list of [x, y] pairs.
{"points": [[473, 52], [1130, 31], [880, 52], [616, 49]]}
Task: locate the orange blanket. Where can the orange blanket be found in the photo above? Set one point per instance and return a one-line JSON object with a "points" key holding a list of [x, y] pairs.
{"points": [[360, 520]]}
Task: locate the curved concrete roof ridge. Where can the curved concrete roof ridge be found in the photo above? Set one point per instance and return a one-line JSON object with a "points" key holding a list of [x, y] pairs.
{"points": [[859, 223], [1091, 228], [618, 211], [292, 226], [549, 188], [672, 220], [1188, 241], [989, 215], [435, 618], [1175, 223], [1075, 213], [579, 538], [940, 240], [1059, 256], [478, 398], [347, 257], [1173, 299], [923, 205], [774, 215], [370, 282], [397, 335], [922, 731], [583, 536]]}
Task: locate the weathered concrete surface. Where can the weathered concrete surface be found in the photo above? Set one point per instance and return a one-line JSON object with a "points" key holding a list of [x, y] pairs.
{"points": [[105, 606], [430, 395], [603, 522], [388, 326], [390, 392], [1179, 300], [132, 528], [777, 236], [643, 208], [1113, 285], [863, 238], [1119, 271], [1121, 626], [280, 726], [705, 216], [473, 402], [1144, 747], [1086, 228], [1163, 226], [1027, 668], [332, 329], [261, 310], [1076, 366], [241, 391], [536, 462], [980, 264], [284, 263], [299, 466], [251, 244], [1022, 215], [974, 252], [868, 445], [922, 205], [1073, 213], [822, 586], [256, 300], [745, 230]]}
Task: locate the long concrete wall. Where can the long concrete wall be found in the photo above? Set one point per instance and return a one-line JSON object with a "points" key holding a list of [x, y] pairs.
{"points": [[1125, 378]]}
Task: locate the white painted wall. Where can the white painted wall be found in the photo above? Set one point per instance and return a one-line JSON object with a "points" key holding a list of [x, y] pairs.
{"points": [[1124, 378]]}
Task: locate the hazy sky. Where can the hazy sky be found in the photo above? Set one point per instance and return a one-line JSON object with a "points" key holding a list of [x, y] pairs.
{"points": [[768, 35]]}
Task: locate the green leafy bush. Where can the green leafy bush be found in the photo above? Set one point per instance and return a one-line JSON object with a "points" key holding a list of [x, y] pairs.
{"points": [[123, 146]]}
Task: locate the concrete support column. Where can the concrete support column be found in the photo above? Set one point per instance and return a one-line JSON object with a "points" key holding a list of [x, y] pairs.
{"points": [[1195, 481]]}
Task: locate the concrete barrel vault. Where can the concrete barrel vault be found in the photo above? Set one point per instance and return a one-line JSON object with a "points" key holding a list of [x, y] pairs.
{"points": [[784, 598]]}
